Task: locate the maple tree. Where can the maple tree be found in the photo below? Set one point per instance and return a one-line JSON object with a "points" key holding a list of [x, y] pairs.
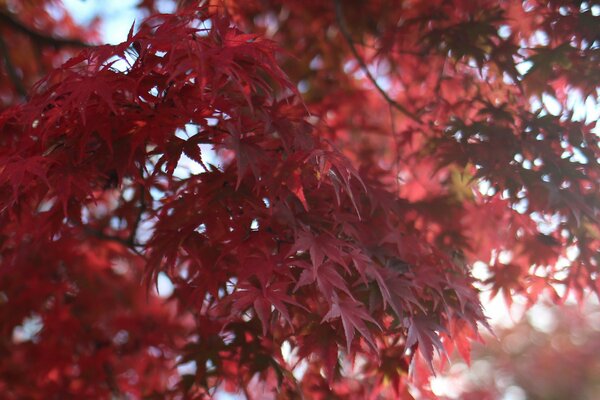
{"points": [[369, 154]]}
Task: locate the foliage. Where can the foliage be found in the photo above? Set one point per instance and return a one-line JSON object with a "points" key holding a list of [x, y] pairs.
{"points": [[368, 154]]}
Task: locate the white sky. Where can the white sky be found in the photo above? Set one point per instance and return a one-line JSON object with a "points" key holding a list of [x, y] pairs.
{"points": [[117, 15]]}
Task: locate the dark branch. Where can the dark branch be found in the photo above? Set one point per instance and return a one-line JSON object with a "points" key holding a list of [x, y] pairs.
{"points": [[11, 70], [112, 382], [247, 392], [103, 236], [138, 218], [37, 36], [363, 65]]}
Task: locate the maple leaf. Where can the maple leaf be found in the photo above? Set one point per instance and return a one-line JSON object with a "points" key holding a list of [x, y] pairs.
{"points": [[354, 318], [506, 278], [425, 333], [395, 290], [261, 299], [15, 170], [319, 247], [298, 189], [339, 171], [247, 153]]}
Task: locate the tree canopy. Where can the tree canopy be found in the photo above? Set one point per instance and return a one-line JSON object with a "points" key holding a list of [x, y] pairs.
{"points": [[328, 185]]}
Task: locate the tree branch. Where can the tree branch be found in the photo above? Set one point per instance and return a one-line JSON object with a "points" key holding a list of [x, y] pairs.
{"points": [[10, 20], [247, 393], [138, 218], [112, 382], [11, 70], [363, 65], [103, 236]]}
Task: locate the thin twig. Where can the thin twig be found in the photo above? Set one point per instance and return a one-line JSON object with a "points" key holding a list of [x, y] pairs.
{"points": [[246, 392], [138, 219], [396, 165], [363, 65], [10, 20], [125, 242], [111, 382], [11, 70], [438, 84]]}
